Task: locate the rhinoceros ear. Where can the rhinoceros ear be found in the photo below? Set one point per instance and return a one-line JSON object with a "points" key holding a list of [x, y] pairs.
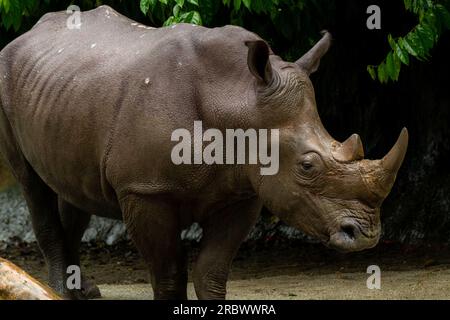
{"points": [[310, 61], [258, 60]]}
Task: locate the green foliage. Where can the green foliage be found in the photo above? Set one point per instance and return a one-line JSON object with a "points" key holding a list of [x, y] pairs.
{"points": [[192, 11], [434, 19], [296, 22], [291, 26], [172, 11], [12, 12]]}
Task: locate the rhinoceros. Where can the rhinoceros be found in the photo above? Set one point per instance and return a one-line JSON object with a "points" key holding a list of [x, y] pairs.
{"points": [[86, 121]]}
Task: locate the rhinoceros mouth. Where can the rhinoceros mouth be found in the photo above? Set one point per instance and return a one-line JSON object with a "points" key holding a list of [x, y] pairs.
{"points": [[351, 236]]}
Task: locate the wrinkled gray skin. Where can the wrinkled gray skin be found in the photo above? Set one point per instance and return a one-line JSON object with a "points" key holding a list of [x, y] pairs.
{"points": [[85, 125]]}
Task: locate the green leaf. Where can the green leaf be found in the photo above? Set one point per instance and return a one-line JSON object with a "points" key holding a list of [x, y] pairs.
{"points": [[176, 11], [6, 5], [401, 54], [237, 4], [145, 5], [196, 19], [405, 45], [414, 41], [426, 36], [191, 17], [433, 22], [180, 3], [186, 17], [171, 20], [391, 41], [443, 14], [372, 72], [194, 2], [397, 67], [398, 50], [390, 66], [247, 3], [382, 72]]}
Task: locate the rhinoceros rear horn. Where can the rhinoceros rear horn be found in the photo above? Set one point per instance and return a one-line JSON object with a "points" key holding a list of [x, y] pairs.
{"points": [[394, 158], [350, 150], [258, 60], [310, 61]]}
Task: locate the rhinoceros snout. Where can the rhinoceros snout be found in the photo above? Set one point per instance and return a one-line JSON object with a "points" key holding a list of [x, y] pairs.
{"points": [[349, 237]]}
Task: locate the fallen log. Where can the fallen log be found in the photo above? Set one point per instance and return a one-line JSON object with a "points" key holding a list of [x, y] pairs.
{"points": [[16, 284]]}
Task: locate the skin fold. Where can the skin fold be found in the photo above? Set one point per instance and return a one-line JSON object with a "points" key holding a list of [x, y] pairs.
{"points": [[85, 124]]}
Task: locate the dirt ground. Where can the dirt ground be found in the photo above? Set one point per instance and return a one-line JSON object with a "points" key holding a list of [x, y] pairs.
{"points": [[433, 284], [291, 270]]}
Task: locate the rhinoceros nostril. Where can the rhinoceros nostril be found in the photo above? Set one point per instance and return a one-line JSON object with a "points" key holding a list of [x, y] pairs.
{"points": [[349, 230]]}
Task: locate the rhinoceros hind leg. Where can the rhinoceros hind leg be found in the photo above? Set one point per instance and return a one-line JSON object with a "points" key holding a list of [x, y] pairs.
{"points": [[153, 225], [219, 244], [75, 222], [43, 206]]}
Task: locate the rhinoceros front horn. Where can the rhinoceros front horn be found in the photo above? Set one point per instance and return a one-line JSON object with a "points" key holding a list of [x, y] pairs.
{"points": [[394, 158], [380, 175]]}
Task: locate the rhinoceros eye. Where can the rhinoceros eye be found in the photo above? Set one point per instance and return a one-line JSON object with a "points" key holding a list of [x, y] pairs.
{"points": [[310, 165], [307, 165]]}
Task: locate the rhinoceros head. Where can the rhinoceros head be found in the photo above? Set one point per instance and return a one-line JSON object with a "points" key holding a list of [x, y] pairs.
{"points": [[323, 187]]}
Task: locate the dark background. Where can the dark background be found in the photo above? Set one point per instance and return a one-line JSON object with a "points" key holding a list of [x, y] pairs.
{"points": [[349, 101]]}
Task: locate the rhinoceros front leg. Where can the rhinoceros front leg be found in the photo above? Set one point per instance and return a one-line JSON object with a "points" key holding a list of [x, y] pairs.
{"points": [[223, 233], [153, 225]]}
